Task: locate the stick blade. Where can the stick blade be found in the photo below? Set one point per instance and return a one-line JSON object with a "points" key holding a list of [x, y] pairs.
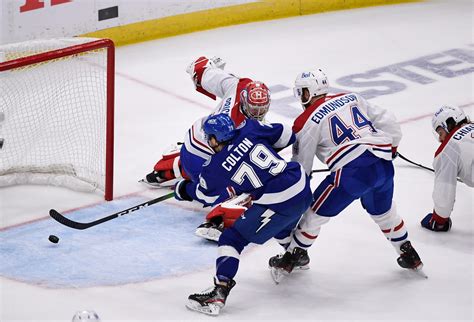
{"points": [[66, 221]]}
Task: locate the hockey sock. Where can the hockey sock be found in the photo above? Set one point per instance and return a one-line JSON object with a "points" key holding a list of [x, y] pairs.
{"points": [[307, 230], [231, 244], [392, 227]]}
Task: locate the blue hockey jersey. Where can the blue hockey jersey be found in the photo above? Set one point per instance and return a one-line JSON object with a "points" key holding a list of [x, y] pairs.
{"points": [[250, 164]]}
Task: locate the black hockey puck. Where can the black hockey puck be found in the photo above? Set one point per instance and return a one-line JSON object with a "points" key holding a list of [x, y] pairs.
{"points": [[53, 239]]}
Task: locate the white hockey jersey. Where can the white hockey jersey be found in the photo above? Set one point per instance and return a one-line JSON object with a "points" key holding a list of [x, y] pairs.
{"points": [[227, 87], [339, 128], [454, 158]]}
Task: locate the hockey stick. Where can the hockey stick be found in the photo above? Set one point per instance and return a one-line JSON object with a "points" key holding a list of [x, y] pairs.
{"points": [[421, 166], [417, 164], [319, 170], [78, 225]]}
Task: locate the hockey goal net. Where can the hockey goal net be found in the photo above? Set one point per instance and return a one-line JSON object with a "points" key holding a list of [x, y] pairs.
{"points": [[57, 112]]}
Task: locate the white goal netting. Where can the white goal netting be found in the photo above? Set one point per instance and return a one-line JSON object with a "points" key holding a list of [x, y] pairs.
{"points": [[53, 115]]}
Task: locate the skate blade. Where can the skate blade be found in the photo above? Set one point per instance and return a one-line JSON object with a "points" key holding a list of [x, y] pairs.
{"points": [[209, 234], [154, 185], [419, 271], [210, 309], [278, 274]]}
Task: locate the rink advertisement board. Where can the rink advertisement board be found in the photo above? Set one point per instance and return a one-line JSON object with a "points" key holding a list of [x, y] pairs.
{"points": [[33, 19], [126, 21]]}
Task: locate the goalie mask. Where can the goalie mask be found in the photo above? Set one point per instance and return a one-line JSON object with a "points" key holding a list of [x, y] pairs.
{"points": [[441, 117], [315, 81], [255, 100]]}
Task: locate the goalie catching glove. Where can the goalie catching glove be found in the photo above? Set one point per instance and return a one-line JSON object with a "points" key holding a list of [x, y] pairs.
{"points": [[196, 71]]}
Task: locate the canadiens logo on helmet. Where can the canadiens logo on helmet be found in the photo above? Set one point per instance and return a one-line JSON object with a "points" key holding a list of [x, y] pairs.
{"points": [[255, 100], [258, 95]]}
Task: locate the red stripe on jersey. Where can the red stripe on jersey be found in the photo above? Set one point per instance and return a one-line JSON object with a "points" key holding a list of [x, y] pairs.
{"points": [[301, 120], [441, 147], [337, 179], [322, 198], [336, 153], [346, 146], [236, 113], [380, 145], [203, 91]]}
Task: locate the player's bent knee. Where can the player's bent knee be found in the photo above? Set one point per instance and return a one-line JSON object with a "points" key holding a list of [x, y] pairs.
{"points": [[231, 237], [387, 217], [312, 220]]}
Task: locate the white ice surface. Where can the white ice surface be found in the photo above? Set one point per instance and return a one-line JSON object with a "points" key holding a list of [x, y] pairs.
{"points": [[353, 273]]}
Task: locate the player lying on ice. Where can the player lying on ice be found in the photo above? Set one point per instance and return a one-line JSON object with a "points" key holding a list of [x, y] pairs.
{"points": [[245, 162], [454, 158], [241, 98], [357, 141]]}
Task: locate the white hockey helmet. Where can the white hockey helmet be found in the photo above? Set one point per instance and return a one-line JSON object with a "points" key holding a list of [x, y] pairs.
{"points": [[315, 81], [444, 113]]}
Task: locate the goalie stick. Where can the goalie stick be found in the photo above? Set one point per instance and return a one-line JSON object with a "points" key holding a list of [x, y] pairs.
{"points": [[78, 225]]}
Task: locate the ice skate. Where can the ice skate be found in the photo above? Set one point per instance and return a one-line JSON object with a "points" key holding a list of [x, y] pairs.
{"points": [[410, 259], [282, 265], [210, 230], [211, 301], [154, 180]]}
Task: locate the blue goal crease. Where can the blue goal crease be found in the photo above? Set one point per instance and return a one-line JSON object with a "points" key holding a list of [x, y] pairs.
{"points": [[151, 243]]}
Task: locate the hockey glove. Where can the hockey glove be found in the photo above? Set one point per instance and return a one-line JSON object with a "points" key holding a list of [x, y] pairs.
{"points": [[196, 71], [434, 222], [180, 192], [394, 152]]}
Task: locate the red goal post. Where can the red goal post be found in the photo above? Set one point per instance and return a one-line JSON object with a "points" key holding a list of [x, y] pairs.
{"points": [[57, 113]]}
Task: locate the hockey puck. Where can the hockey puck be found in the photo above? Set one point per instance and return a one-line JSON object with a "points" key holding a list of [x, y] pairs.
{"points": [[53, 239]]}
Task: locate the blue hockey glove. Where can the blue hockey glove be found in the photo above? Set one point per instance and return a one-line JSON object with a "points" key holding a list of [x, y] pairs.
{"points": [[434, 223], [180, 192]]}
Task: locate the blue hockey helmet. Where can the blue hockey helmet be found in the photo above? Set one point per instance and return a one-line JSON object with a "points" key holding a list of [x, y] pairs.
{"points": [[220, 126]]}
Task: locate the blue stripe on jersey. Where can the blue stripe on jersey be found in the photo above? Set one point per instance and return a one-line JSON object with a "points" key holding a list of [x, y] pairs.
{"points": [[343, 155], [382, 150]]}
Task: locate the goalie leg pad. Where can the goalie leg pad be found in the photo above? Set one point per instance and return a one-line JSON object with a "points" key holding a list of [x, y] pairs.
{"points": [[169, 167]]}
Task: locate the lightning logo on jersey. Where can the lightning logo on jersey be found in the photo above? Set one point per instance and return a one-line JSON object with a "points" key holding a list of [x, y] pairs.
{"points": [[266, 217]]}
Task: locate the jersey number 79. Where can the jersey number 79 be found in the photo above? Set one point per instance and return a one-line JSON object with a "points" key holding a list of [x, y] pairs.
{"points": [[262, 158]]}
